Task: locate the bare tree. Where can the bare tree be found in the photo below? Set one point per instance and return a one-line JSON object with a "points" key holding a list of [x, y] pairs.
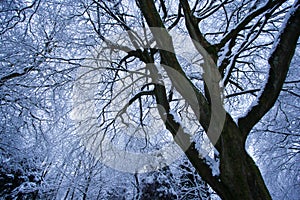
{"points": [[126, 84], [238, 46]]}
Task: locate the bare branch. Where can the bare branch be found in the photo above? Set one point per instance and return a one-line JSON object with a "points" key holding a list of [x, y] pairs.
{"points": [[279, 61], [234, 32]]}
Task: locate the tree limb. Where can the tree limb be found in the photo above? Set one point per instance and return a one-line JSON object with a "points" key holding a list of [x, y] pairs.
{"points": [[279, 61]]}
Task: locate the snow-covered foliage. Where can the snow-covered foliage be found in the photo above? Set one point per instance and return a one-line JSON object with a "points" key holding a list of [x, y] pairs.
{"points": [[44, 49]]}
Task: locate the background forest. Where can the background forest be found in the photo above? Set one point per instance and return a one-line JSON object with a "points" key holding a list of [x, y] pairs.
{"points": [[68, 77]]}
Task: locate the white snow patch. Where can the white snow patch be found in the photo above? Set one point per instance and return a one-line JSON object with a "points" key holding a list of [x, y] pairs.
{"points": [[223, 54], [214, 165], [175, 116]]}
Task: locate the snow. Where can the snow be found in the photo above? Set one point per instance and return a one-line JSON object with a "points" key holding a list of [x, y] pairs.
{"points": [[283, 26], [176, 117], [10, 176], [214, 165], [24, 188], [275, 44], [258, 4], [223, 54], [228, 68], [149, 179]]}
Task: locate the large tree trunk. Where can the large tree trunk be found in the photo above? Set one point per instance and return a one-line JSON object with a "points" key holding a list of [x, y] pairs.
{"points": [[239, 177], [238, 171]]}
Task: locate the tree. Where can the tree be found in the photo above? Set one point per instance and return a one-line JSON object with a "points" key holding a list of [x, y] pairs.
{"points": [[237, 168], [138, 85]]}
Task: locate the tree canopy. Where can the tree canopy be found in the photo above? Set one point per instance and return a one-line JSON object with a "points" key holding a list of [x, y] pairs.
{"points": [[163, 99]]}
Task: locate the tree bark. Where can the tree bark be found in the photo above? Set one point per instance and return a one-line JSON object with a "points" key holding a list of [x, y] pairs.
{"points": [[238, 171]]}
